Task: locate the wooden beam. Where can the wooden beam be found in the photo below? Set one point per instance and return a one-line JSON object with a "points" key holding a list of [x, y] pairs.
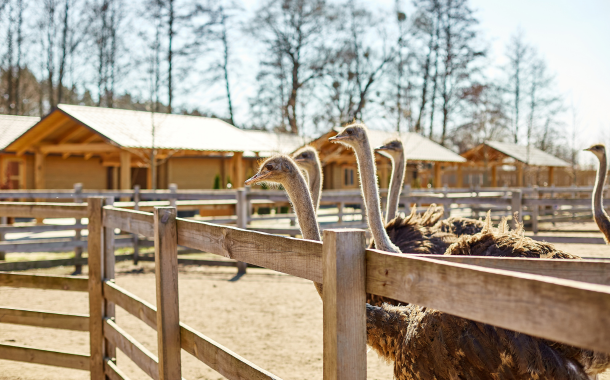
{"points": [[166, 275], [39, 170], [239, 176], [437, 175], [96, 298], [125, 170], [134, 350], [72, 322], [136, 222], [72, 133], [43, 210], [494, 176], [344, 303], [134, 305], [28, 141], [90, 138], [66, 155], [46, 357], [460, 179], [88, 156], [37, 281], [551, 176], [79, 148], [519, 174]]}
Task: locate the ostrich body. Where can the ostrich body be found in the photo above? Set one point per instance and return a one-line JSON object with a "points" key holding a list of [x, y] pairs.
{"points": [[599, 214], [427, 344], [307, 158]]}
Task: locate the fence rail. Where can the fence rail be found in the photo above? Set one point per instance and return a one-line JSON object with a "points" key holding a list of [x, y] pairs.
{"points": [[534, 296]]}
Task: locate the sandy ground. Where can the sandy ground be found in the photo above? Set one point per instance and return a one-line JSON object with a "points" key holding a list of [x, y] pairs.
{"points": [[271, 319]]}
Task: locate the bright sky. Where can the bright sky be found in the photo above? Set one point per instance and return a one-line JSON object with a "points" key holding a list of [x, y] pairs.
{"points": [[574, 37]]}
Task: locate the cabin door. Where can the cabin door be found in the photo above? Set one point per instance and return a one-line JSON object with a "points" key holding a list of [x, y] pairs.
{"points": [[13, 177]]}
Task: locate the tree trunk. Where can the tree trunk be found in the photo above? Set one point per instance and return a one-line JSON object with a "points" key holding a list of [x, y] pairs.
{"points": [[19, 56], [170, 89], [292, 100], [426, 77], [64, 53], [225, 65]]}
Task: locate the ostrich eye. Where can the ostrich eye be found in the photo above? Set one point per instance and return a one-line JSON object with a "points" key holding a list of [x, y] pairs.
{"points": [[269, 167], [349, 132]]}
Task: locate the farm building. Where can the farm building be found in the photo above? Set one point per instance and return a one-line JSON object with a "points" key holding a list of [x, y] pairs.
{"points": [[425, 160], [106, 148], [516, 165], [12, 170]]}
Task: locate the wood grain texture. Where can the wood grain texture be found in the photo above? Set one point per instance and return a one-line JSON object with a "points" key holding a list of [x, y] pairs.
{"points": [[143, 358], [537, 305], [74, 322], [113, 372], [108, 263], [96, 298], [221, 359], [166, 277], [42, 210], [298, 257], [37, 281], [137, 222], [37, 356], [43, 245], [43, 264], [569, 239], [592, 271], [134, 305], [344, 305]]}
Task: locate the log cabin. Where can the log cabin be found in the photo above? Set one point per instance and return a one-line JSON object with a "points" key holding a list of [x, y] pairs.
{"points": [[13, 168]]}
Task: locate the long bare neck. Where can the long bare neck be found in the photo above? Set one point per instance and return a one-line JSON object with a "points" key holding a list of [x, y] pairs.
{"points": [[398, 177], [303, 206], [370, 192], [314, 172], [599, 214]]}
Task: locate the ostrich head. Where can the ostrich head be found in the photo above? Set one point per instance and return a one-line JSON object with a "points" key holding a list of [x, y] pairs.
{"points": [[351, 136], [597, 149], [391, 149], [276, 169], [305, 158]]}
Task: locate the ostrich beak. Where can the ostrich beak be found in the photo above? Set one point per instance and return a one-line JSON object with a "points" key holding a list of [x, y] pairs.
{"points": [[256, 178], [383, 147], [297, 160], [337, 138], [587, 150]]}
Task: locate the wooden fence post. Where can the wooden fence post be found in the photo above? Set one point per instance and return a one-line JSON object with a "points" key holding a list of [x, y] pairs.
{"points": [[344, 308], [340, 207], [136, 237], [108, 274], [3, 221], [241, 208], [96, 298], [78, 251], [516, 206], [535, 210], [447, 206], [173, 188], [166, 273], [406, 193]]}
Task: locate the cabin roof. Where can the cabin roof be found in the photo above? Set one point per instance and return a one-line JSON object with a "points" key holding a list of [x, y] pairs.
{"points": [[498, 151], [11, 127]]}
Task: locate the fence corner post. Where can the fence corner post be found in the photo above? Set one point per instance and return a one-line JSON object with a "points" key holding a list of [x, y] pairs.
{"points": [[517, 206], [96, 299], [344, 306], [241, 209], [166, 277]]}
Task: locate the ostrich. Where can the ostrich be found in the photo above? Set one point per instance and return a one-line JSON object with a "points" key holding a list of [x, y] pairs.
{"points": [[599, 214], [307, 158], [426, 344], [394, 150]]}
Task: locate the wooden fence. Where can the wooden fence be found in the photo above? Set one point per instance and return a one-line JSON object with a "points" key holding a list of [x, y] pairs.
{"points": [[561, 300]]}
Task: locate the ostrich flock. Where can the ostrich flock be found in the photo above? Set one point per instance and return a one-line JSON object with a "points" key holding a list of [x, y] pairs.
{"points": [[421, 342]]}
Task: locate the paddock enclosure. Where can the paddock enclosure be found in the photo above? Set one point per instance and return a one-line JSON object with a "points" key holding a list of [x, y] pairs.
{"points": [[540, 297]]}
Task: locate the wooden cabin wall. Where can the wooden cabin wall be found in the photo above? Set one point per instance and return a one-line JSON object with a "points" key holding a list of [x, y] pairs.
{"points": [[60, 173], [193, 173]]}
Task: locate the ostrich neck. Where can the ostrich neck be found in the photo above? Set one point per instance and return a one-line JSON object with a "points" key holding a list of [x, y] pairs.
{"points": [[315, 184], [301, 201], [599, 214], [370, 192], [398, 177]]}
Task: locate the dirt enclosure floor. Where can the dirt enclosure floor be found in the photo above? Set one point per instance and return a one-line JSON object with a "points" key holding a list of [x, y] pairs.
{"points": [[273, 320]]}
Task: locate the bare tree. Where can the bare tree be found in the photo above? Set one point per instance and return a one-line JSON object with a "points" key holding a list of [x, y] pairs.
{"points": [[518, 54]]}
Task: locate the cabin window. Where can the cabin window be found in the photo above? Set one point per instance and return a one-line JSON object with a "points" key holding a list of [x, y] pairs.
{"points": [[349, 177]]}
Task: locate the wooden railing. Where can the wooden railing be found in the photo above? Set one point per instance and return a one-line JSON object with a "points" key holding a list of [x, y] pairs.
{"points": [[534, 296]]}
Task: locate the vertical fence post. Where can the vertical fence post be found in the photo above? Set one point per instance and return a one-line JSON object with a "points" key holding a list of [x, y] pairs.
{"points": [[108, 274], [3, 221], [166, 274], [340, 207], [447, 205], [96, 298], [241, 208], [406, 193], [535, 210], [344, 303], [516, 206], [78, 251], [173, 188], [136, 237]]}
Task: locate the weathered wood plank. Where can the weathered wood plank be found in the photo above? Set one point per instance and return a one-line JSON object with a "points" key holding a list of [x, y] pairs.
{"points": [[39, 228], [569, 239], [74, 322], [113, 372], [593, 271], [43, 210], [46, 357], [537, 305], [96, 299], [137, 222], [166, 277], [43, 264], [344, 305], [41, 245], [298, 257], [108, 263], [219, 358], [143, 358], [37, 281], [134, 305]]}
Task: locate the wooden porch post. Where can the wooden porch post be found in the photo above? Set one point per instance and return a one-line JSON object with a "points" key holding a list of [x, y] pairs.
{"points": [[519, 175], [551, 175], [494, 176], [39, 170], [460, 180], [238, 176], [125, 172], [437, 175]]}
